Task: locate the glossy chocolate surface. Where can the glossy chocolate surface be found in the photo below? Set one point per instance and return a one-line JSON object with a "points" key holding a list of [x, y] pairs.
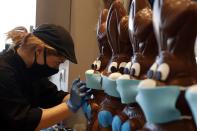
{"points": [[175, 25]]}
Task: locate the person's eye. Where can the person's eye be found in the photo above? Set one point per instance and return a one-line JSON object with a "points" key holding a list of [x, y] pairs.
{"points": [[56, 54], [113, 67], [135, 69], [122, 66], [162, 72], [152, 71]]}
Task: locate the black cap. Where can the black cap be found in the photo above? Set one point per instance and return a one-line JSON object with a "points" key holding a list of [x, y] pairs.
{"points": [[58, 38]]}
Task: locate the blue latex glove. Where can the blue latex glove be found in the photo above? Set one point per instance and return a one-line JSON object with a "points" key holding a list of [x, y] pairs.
{"points": [[78, 94]]}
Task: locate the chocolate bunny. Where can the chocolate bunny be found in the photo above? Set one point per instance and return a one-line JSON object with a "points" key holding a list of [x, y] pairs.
{"points": [[93, 105], [104, 47], [144, 52], [117, 33], [142, 39], [162, 95]]}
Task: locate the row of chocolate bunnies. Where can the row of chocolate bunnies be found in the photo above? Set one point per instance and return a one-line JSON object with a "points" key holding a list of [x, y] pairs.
{"points": [[145, 75]]}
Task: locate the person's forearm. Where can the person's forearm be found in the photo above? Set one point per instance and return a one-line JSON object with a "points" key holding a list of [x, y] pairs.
{"points": [[53, 115]]}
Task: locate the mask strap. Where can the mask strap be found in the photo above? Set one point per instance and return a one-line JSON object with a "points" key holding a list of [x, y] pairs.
{"points": [[35, 57], [45, 56]]}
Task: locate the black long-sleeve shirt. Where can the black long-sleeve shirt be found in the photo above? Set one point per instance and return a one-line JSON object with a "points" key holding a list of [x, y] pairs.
{"points": [[21, 98]]}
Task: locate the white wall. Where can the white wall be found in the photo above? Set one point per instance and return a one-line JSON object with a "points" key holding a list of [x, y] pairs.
{"points": [[13, 14]]}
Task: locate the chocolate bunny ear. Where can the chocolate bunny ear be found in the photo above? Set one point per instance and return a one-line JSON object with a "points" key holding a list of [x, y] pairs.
{"points": [[127, 4], [138, 5], [104, 47], [140, 22], [175, 26], [116, 27], [187, 31], [107, 3], [103, 17]]}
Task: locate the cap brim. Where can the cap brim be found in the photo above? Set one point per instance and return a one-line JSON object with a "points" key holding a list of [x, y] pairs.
{"points": [[71, 59], [74, 60]]}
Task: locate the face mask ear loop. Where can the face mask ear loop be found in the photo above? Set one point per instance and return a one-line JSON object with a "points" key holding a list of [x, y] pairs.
{"points": [[45, 57], [35, 57]]}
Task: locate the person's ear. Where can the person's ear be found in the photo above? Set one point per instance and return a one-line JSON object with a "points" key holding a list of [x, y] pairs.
{"points": [[39, 49]]}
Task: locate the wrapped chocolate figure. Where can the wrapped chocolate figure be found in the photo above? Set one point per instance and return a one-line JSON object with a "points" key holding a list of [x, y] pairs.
{"points": [[144, 52], [162, 95], [117, 33]]}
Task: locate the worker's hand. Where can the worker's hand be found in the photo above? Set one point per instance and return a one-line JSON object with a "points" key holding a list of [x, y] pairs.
{"points": [[79, 93]]}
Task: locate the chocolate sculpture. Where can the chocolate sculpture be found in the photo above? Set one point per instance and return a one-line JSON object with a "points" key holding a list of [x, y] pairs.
{"points": [[93, 76], [162, 95], [145, 50], [117, 33]]}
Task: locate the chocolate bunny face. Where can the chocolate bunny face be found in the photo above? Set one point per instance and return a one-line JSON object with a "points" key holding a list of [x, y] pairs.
{"points": [[176, 29], [117, 33], [104, 49], [142, 38]]}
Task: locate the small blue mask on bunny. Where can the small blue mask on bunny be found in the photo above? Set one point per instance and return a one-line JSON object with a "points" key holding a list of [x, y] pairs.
{"points": [[159, 103]]}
